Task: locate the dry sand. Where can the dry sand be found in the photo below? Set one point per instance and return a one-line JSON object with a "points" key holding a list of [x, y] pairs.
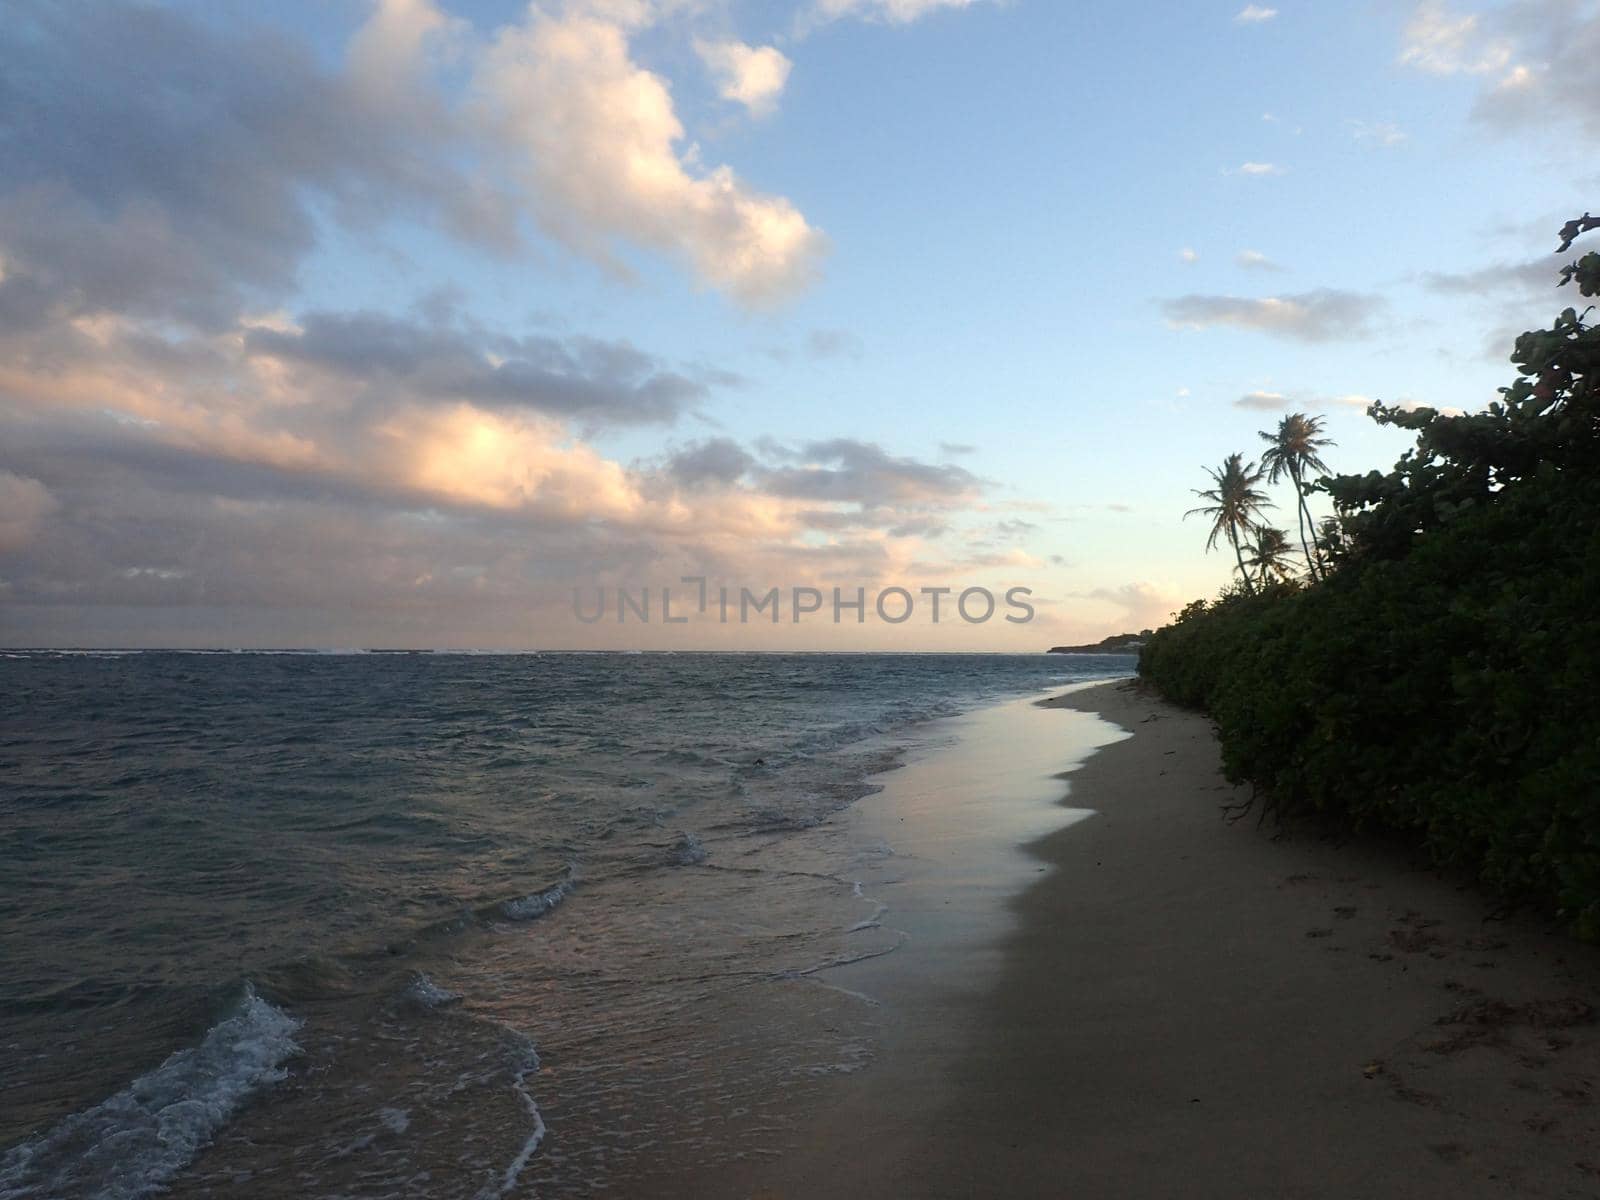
{"points": [[1187, 1007]]}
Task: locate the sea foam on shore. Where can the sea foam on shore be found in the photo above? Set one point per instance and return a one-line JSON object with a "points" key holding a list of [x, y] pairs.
{"points": [[132, 1144]]}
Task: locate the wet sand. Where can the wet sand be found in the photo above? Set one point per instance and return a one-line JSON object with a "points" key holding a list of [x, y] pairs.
{"points": [[1183, 1006]]}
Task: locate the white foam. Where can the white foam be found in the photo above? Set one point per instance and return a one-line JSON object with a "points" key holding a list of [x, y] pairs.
{"points": [[396, 1120], [425, 993], [878, 909], [136, 1142], [539, 903], [519, 1082]]}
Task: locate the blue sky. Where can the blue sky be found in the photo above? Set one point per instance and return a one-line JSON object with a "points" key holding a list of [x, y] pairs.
{"points": [[397, 321]]}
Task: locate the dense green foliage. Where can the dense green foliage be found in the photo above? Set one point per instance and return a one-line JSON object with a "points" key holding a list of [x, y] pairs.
{"points": [[1444, 677]]}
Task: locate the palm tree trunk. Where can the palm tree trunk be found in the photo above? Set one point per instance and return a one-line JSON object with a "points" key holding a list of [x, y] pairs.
{"points": [[1233, 536], [1316, 546], [1305, 516], [1313, 563]]}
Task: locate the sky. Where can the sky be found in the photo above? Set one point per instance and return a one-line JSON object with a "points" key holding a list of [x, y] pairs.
{"points": [[446, 324]]}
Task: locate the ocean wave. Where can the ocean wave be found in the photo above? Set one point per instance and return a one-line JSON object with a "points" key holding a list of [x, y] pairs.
{"points": [[536, 904], [425, 993], [136, 1142]]}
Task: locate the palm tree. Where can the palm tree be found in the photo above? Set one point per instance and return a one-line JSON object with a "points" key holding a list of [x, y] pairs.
{"points": [[1235, 502], [1270, 554], [1294, 450]]}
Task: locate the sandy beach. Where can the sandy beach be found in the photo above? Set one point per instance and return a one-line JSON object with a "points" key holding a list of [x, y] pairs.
{"points": [[1184, 1006]]}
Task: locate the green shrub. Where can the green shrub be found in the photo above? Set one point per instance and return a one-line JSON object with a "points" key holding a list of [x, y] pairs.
{"points": [[1444, 679]]}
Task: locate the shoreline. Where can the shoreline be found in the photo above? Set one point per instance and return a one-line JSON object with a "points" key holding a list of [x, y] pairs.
{"points": [[938, 855], [1184, 1006], [1061, 973]]}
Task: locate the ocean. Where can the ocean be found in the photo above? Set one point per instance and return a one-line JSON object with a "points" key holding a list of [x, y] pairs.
{"points": [[296, 924]]}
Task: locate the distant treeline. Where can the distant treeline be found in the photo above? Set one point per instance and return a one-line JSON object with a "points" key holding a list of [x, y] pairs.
{"points": [[1440, 674], [1117, 643]]}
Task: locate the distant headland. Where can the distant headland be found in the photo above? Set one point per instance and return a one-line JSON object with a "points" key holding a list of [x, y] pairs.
{"points": [[1120, 643]]}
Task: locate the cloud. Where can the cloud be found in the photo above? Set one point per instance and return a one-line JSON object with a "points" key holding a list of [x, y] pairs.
{"points": [[1535, 59], [301, 477], [198, 200], [189, 451], [1260, 169], [595, 139], [1013, 528], [391, 56], [1263, 401], [716, 460], [191, 199], [1377, 133], [892, 12], [1556, 44], [1442, 42], [956, 448], [748, 75], [466, 456], [397, 410], [1254, 260], [1537, 278], [833, 343], [1188, 255], [1327, 314], [845, 470], [24, 505], [1254, 14], [1144, 605], [598, 381]]}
